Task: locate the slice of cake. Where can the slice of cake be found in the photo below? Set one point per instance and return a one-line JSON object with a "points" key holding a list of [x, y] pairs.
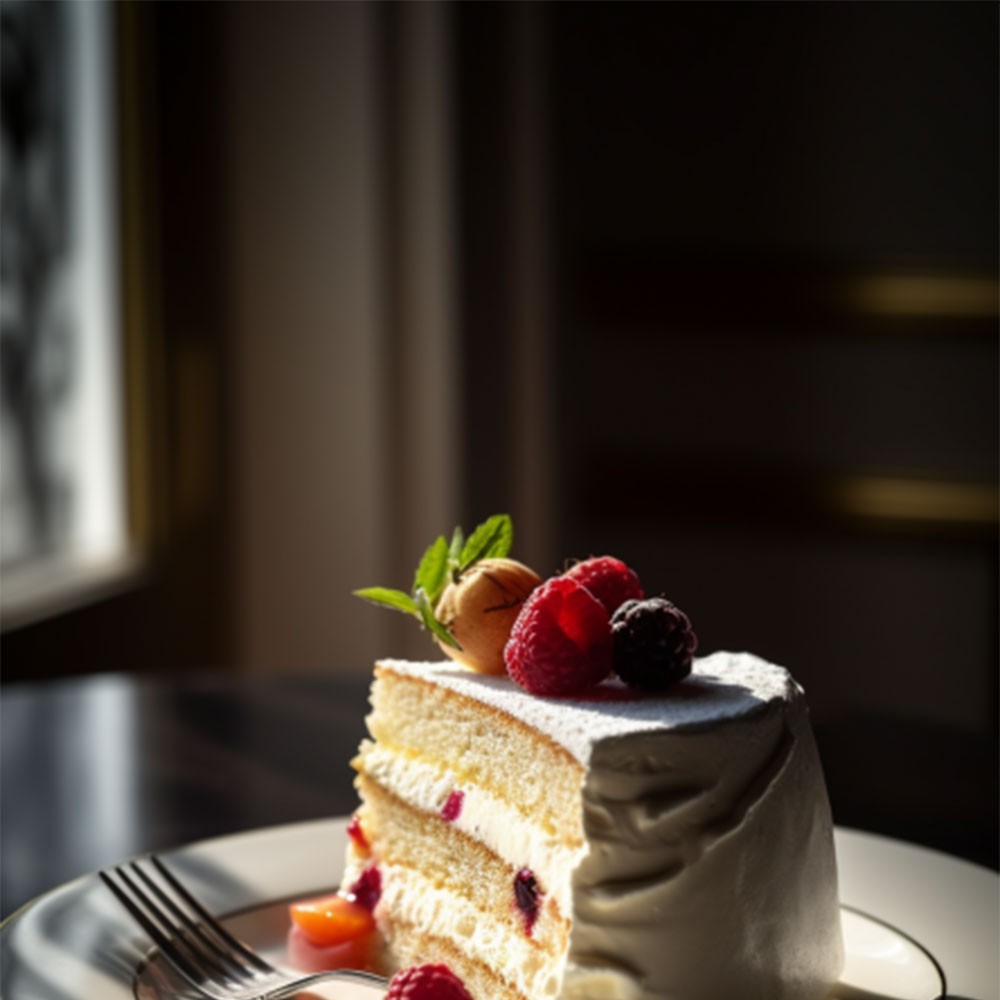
{"points": [[576, 808], [608, 846]]}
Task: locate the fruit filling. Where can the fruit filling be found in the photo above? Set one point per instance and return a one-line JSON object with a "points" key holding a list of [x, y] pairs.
{"points": [[357, 834], [528, 897], [367, 889], [452, 807]]}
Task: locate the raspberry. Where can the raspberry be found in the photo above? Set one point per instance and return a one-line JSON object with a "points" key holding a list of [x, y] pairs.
{"points": [[653, 643], [608, 579], [427, 982], [561, 640]]}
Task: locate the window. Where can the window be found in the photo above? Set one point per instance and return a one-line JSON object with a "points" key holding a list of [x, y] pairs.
{"points": [[63, 516]]}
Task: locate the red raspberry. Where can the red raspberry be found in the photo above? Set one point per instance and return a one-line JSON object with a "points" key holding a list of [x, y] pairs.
{"points": [[561, 640], [427, 982], [608, 579]]}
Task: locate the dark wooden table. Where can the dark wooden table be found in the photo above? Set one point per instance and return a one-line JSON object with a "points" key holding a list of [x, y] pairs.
{"points": [[100, 768]]}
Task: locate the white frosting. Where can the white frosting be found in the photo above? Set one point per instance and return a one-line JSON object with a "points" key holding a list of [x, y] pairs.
{"points": [[709, 869]]}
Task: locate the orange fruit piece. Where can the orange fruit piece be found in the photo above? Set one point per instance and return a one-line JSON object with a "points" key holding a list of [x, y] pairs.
{"points": [[355, 953], [332, 920]]}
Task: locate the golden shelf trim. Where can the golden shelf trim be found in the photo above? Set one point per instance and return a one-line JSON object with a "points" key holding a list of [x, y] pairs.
{"points": [[925, 295], [887, 498]]}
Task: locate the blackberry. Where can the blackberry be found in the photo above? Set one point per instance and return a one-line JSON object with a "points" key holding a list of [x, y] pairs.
{"points": [[653, 643]]}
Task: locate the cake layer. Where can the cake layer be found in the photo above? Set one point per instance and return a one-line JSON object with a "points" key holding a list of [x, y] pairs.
{"points": [[721, 687], [481, 744], [434, 788], [443, 884], [411, 945], [424, 923], [452, 860]]}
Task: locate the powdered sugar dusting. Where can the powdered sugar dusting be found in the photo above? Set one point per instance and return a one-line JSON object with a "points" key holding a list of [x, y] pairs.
{"points": [[721, 686]]}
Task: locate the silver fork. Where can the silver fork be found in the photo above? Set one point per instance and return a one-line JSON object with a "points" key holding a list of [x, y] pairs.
{"points": [[197, 945]]}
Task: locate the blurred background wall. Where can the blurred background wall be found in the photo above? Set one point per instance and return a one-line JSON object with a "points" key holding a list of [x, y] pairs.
{"points": [[710, 287]]}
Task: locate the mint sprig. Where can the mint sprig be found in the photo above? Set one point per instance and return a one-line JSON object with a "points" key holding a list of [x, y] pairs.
{"points": [[492, 539], [442, 563], [432, 572]]}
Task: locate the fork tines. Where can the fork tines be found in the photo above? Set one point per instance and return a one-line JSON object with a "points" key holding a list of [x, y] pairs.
{"points": [[188, 936]]}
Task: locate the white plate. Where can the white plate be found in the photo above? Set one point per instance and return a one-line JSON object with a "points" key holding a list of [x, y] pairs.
{"points": [[77, 943]]}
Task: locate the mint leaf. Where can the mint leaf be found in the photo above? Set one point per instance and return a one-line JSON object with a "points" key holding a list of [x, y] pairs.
{"points": [[457, 544], [389, 598], [491, 540], [444, 561], [432, 573], [430, 622]]}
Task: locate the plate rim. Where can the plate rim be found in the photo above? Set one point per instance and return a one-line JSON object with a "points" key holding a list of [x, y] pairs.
{"points": [[909, 938], [333, 826]]}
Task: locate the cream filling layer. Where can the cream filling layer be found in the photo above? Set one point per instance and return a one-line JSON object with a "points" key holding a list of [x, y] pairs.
{"points": [[415, 900], [501, 828]]}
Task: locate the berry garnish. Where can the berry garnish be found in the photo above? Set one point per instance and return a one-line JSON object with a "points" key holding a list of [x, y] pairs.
{"points": [[527, 896], [609, 580], [653, 643], [427, 982], [479, 608], [561, 641], [452, 807], [367, 889]]}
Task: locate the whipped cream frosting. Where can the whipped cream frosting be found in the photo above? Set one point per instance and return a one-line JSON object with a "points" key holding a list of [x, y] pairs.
{"points": [[709, 867]]}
